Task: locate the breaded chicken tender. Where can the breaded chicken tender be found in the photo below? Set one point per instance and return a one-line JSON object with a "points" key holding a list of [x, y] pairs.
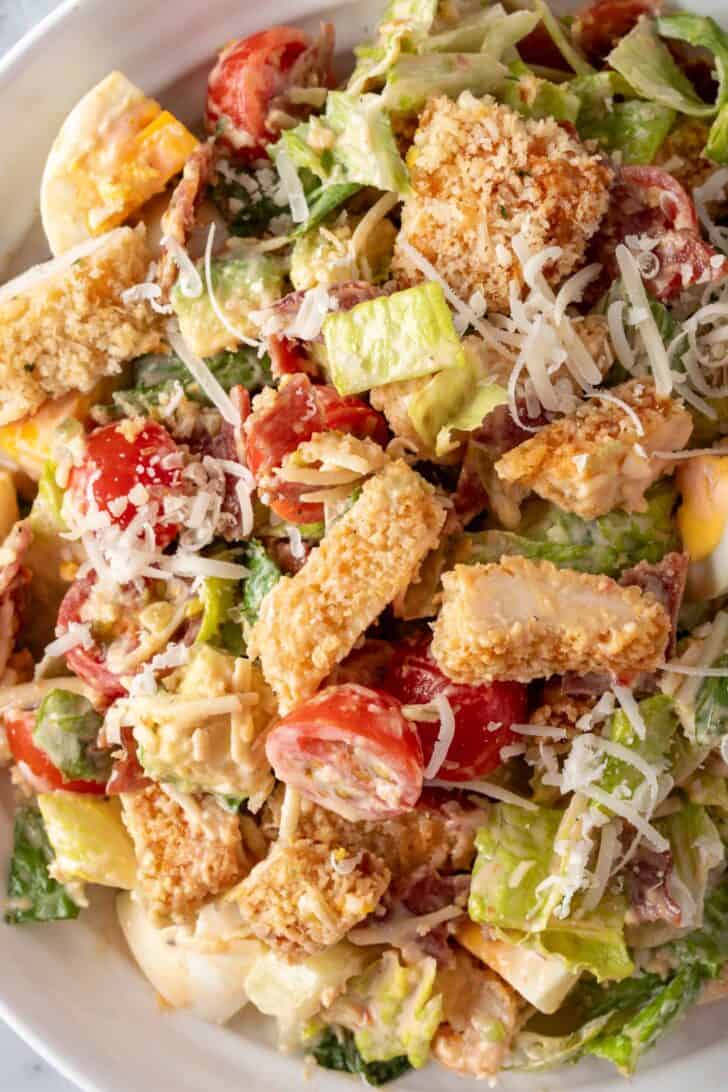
{"points": [[440, 835], [298, 903], [68, 331], [596, 459], [185, 855], [475, 1000], [310, 621], [524, 620], [481, 174]]}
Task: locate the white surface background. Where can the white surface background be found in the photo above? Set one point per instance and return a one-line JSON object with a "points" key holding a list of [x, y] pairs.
{"points": [[21, 1070]]}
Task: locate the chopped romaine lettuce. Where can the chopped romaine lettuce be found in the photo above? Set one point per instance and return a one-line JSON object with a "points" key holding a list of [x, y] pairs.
{"points": [[240, 285], [401, 336], [711, 706], [646, 63], [562, 40], [324, 200], [263, 574], [633, 127], [702, 31], [66, 728], [218, 597], [717, 145], [661, 721], [45, 514], [514, 836], [697, 851], [33, 895], [89, 839], [592, 942], [414, 79], [391, 1010], [609, 545], [456, 400], [535, 97], [351, 143], [336, 1049], [403, 27], [492, 30]]}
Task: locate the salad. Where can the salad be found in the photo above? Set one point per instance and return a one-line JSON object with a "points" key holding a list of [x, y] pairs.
{"points": [[364, 523]]}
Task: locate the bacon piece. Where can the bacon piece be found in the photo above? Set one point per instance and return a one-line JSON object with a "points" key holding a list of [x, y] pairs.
{"points": [[13, 580], [647, 880], [666, 582], [179, 219]]}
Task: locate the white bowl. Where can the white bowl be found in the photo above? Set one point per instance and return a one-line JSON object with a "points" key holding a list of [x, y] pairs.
{"points": [[71, 989]]}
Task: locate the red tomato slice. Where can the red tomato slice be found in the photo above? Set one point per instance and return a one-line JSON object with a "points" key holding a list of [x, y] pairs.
{"points": [[87, 663], [115, 464], [649, 202], [301, 409], [350, 749], [19, 731], [287, 357], [250, 73], [415, 679]]}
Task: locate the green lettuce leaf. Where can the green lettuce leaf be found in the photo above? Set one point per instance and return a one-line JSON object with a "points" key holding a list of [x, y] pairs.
{"points": [[336, 1049], [702, 31], [492, 30], [609, 545], [456, 400], [661, 722], [218, 596], [263, 575], [592, 942], [562, 40], [403, 28], [415, 78], [646, 64], [324, 200], [697, 851], [391, 1010], [66, 729], [514, 835], [633, 127], [711, 706], [536, 97], [34, 895], [401, 336], [716, 147]]}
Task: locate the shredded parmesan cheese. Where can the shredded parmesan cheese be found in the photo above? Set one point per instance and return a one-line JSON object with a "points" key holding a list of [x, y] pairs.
{"points": [[204, 376], [445, 736]]}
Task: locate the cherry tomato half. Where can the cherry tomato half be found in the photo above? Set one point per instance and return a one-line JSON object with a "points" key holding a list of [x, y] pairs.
{"points": [[301, 409], [248, 74], [415, 679], [19, 731], [351, 750], [116, 461]]}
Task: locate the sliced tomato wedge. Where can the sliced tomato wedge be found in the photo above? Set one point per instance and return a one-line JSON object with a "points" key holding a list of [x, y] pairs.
{"points": [[88, 663], [648, 203], [301, 409], [483, 714], [47, 777], [118, 459], [250, 73], [351, 750]]}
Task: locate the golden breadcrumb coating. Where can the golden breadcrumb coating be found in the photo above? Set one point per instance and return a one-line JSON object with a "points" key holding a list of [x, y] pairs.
{"points": [[442, 837], [69, 331], [475, 1000], [481, 174], [523, 620], [185, 855], [596, 459], [297, 902], [310, 621]]}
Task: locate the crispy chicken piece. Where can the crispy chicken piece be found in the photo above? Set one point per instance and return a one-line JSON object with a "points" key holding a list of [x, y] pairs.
{"points": [[68, 331], [297, 901], [524, 620], [596, 459], [438, 834], [481, 1014], [186, 855], [481, 174], [310, 621]]}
